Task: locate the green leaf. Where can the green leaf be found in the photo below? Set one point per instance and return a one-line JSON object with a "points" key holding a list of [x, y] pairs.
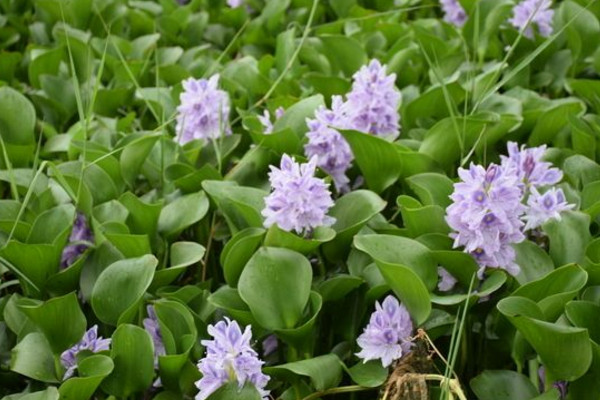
{"points": [[238, 251], [553, 291], [351, 212], [182, 212], [554, 118], [324, 371], [276, 286], [134, 155], [183, 254], [17, 117], [585, 314], [277, 237], [91, 371], [33, 358], [232, 390], [345, 53], [294, 117], [121, 287], [378, 159], [565, 351], [60, 319], [133, 355], [431, 104], [503, 385], [568, 237], [337, 287], [432, 188], [533, 261], [368, 374], [240, 205], [408, 279]]}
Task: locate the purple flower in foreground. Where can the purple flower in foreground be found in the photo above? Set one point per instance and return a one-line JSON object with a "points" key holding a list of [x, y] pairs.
{"points": [[561, 386], [299, 201], [527, 164], [234, 3], [333, 153], [153, 328], [372, 104], [447, 281], [530, 12], [265, 119], [454, 13], [388, 335], [79, 234], [485, 215], [229, 358], [544, 207], [203, 112], [90, 341]]}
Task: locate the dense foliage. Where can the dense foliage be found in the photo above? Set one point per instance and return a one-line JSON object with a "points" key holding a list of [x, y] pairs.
{"points": [[302, 199]]}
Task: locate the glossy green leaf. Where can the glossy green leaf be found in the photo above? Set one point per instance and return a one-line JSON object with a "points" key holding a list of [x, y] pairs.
{"points": [[238, 251], [324, 371], [182, 212], [503, 385], [91, 371], [33, 358]]}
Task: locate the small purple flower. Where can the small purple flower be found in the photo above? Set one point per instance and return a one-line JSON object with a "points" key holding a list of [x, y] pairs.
{"points": [[372, 104], [229, 358], [454, 13], [265, 119], [530, 12], [153, 328], [388, 335], [527, 164], [561, 386], [485, 215], [79, 240], [203, 112], [270, 345], [447, 281], [544, 207], [333, 153], [299, 201], [90, 341]]}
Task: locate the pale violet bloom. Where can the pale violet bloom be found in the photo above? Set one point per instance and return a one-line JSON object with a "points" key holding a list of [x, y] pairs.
{"points": [[91, 342], [447, 281], [486, 215], [203, 112], [454, 13], [372, 104], [234, 3], [152, 326], [388, 336], [79, 241], [299, 201], [333, 153], [229, 358], [528, 13], [544, 207], [265, 119], [527, 164]]}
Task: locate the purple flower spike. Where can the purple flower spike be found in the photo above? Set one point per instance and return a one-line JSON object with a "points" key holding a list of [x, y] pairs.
{"points": [[91, 342], [333, 153], [372, 105], [447, 281], [544, 207], [203, 112], [387, 337], [486, 215], [561, 386], [229, 358], [454, 13], [527, 164], [299, 201], [79, 234], [533, 12]]}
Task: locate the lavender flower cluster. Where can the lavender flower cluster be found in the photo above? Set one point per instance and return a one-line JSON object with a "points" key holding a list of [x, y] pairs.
{"points": [[265, 119], [387, 337], [79, 239], [494, 207], [229, 358], [203, 112], [526, 15], [370, 107], [91, 342], [299, 201]]}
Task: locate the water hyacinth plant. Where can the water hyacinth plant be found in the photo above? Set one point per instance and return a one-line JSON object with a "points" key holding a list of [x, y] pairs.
{"points": [[299, 200]]}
